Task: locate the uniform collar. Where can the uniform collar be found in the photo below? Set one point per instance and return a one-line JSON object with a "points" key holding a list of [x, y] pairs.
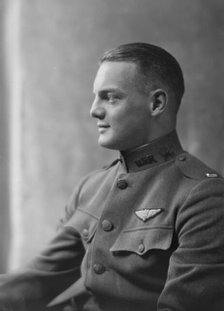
{"points": [[160, 150]]}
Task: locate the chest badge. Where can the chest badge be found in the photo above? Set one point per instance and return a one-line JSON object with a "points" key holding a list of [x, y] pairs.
{"points": [[148, 213]]}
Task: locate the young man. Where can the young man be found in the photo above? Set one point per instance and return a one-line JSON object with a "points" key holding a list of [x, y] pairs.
{"points": [[146, 232]]}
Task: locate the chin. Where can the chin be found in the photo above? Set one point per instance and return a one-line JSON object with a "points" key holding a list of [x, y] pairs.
{"points": [[108, 144]]}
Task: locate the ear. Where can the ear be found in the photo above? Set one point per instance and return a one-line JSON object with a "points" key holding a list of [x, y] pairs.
{"points": [[158, 103]]}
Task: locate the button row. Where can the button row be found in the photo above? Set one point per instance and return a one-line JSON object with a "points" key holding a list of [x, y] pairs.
{"points": [[85, 234], [98, 268], [141, 248], [122, 184], [182, 157], [107, 225]]}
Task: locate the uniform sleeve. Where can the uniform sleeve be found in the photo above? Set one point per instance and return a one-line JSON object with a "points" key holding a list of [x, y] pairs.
{"points": [[195, 280], [50, 273]]}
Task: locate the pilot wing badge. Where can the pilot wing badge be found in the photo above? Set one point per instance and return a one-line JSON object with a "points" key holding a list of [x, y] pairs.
{"points": [[148, 213]]}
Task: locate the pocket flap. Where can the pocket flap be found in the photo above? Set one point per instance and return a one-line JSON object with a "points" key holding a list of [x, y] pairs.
{"points": [[142, 240]]}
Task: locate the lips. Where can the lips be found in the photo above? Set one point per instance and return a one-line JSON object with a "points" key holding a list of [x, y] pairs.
{"points": [[102, 127]]}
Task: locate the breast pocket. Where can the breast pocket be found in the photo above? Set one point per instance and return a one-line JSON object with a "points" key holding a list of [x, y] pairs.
{"points": [[143, 240], [85, 224]]}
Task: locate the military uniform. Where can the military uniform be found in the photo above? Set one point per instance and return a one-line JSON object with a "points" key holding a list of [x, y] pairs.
{"points": [[147, 232]]}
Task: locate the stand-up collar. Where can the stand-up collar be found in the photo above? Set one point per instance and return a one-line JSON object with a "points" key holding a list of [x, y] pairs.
{"points": [[158, 151]]}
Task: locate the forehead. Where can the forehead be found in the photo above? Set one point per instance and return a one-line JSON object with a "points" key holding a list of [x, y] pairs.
{"points": [[115, 75]]}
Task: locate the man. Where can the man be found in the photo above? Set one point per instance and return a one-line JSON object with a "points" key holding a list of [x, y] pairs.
{"points": [[146, 232]]}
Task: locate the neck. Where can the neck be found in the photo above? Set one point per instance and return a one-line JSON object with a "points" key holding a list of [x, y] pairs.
{"points": [[159, 150]]}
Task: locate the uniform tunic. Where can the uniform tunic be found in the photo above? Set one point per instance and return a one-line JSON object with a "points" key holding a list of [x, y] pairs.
{"points": [[144, 234]]}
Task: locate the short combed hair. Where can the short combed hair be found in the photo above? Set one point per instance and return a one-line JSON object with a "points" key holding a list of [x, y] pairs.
{"points": [[154, 63]]}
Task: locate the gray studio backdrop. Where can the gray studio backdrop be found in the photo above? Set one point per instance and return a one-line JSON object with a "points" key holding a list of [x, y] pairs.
{"points": [[49, 53]]}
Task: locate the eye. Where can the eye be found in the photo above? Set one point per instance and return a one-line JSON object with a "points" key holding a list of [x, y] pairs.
{"points": [[109, 96], [113, 97]]}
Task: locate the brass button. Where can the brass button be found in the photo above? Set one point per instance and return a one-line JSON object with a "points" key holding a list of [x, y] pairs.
{"points": [[122, 184], [182, 158], [98, 268], [107, 225], [141, 248], [85, 234]]}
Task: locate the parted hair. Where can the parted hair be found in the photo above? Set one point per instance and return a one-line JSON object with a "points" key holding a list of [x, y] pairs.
{"points": [[157, 66]]}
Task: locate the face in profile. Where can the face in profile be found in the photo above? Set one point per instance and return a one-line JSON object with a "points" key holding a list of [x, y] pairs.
{"points": [[120, 107]]}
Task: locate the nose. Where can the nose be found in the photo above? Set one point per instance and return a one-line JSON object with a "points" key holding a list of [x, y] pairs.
{"points": [[97, 110]]}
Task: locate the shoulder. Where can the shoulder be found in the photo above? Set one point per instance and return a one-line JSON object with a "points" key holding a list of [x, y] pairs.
{"points": [[193, 168], [104, 169], [99, 174], [113, 163]]}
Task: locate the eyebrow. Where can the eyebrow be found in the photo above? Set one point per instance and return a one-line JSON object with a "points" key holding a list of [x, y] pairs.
{"points": [[109, 90]]}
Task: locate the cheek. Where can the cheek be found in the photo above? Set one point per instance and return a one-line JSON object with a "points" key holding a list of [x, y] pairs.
{"points": [[128, 118], [128, 127], [123, 113]]}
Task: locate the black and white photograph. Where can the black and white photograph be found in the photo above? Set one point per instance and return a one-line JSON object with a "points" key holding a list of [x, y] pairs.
{"points": [[111, 155]]}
